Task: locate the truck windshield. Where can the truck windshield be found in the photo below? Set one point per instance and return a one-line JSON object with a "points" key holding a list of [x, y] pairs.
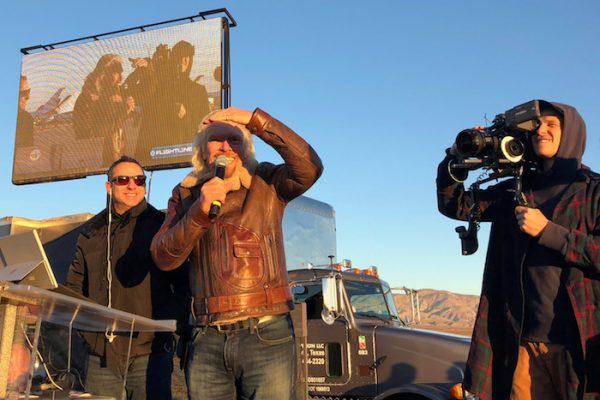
{"points": [[368, 300]]}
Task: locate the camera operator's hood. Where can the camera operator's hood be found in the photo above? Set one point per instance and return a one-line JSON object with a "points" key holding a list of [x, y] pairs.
{"points": [[572, 141], [547, 185]]}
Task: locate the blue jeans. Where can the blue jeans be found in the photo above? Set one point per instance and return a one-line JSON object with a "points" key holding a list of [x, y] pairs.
{"points": [[149, 374], [246, 365]]}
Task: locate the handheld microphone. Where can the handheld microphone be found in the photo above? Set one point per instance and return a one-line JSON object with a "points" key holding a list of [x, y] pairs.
{"points": [[220, 165]]}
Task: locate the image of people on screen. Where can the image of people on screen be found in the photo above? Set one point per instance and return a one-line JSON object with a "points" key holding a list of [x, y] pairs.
{"points": [[173, 102], [101, 108], [143, 95], [25, 122]]}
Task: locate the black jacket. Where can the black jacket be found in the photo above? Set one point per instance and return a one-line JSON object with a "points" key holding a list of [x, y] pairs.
{"points": [[138, 286]]}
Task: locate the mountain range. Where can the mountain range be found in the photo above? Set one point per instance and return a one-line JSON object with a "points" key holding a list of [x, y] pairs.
{"points": [[440, 310]]}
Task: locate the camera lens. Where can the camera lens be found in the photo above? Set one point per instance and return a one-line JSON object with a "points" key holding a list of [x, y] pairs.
{"points": [[470, 142]]}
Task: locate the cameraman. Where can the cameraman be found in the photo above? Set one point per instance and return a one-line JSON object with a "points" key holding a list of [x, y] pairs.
{"points": [[537, 330]]}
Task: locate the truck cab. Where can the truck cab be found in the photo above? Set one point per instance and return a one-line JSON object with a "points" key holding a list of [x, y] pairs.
{"points": [[357, 347]]}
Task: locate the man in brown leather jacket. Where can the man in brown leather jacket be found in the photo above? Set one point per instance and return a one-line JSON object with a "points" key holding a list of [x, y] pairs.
{"points": [[243, 343]]}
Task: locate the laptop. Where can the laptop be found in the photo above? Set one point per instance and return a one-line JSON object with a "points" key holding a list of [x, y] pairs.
{"points": [[23, 260]]}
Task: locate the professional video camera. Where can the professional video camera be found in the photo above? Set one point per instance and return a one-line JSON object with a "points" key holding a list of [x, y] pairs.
{"points": [[500, 145], [501, 148]]}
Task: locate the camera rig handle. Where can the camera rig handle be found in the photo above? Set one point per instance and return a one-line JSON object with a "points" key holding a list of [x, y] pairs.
{"points": [[519, 196], [468, 236]]}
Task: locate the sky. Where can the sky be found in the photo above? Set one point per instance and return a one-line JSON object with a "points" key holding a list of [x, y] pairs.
{"points": [[378, 88]]}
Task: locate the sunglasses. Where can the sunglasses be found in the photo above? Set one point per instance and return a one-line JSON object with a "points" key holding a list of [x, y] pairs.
{"points": [[25, 93], [139, 180]]}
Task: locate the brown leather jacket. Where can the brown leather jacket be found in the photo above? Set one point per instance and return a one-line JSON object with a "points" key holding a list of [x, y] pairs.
{"points": [[237, 260]]}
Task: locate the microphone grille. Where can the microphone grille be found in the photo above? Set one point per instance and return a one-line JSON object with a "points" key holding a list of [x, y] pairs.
{"points": [[221, 161]]}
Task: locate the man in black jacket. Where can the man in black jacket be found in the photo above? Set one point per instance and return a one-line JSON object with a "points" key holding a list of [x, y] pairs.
{"points": [[113, 267]]}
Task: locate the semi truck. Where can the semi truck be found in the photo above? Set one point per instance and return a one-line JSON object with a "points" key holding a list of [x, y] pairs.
{"points": [[354, 345]]}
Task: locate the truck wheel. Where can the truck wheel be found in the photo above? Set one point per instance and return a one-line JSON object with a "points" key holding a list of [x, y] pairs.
{"points": [[407, 396]]}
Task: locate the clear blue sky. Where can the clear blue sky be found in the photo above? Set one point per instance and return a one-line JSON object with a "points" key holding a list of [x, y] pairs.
{"points": [[379, 88]]}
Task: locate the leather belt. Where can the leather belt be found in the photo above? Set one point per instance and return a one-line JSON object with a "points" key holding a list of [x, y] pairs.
{"points": [[248, 323], [221, 304]]}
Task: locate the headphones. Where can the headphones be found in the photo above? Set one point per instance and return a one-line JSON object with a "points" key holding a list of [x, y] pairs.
{"points": [[109, 334], [110, 186]]}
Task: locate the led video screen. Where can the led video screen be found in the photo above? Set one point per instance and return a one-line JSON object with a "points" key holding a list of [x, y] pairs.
{"points": [[142, 94]]}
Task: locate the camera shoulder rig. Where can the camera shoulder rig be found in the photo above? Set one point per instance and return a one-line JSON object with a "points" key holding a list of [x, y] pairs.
{"points": [[468, 236]]}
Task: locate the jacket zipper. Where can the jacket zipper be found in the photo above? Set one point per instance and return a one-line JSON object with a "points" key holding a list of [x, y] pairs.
{"points": [[270, 261]]}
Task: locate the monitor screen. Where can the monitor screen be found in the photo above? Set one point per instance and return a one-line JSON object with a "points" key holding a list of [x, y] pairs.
{"points": [[83, 106], [23, 260]]}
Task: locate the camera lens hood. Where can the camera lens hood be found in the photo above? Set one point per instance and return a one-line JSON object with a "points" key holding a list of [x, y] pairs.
{"points": [[470, 142]]}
